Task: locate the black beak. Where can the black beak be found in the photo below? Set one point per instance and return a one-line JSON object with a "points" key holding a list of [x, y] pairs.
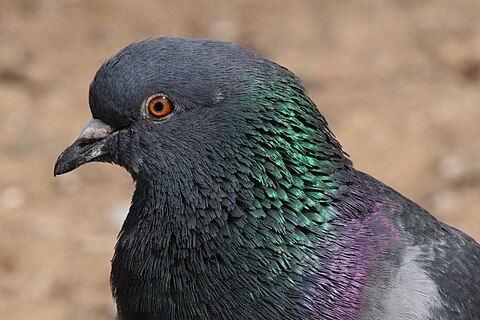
{"points": [[90, 145]]}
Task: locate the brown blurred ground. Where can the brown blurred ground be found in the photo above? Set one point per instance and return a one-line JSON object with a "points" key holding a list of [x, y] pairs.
{"points": [[399, 82]]}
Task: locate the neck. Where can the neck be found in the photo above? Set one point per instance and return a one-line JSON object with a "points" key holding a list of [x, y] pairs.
{"points": [[187, 246]]}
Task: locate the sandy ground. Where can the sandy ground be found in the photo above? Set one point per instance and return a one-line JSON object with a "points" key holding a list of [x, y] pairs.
{"points": [[398, 81]]}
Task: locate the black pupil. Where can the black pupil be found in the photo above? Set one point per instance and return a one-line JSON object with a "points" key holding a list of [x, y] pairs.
{"points": [[158, 106]]}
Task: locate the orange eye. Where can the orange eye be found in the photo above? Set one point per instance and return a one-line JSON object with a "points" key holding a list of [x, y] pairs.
{"points": [[159, 106]]}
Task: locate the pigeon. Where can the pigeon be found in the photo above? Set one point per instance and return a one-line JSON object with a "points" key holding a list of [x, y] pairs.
{"points": [[245, 205]]}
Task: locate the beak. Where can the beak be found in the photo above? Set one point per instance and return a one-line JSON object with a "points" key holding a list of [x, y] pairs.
{"points": [[90, 145]]}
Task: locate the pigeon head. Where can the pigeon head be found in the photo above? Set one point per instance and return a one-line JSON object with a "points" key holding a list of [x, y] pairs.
{"points": [[155, 98], [172, 105]]}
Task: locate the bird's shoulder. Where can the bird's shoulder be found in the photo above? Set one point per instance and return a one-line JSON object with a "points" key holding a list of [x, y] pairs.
{"points": [[433, 267]]}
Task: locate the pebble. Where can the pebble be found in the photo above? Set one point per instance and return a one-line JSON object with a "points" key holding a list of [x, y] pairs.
{"points": [[453, 167], [12, 197]]}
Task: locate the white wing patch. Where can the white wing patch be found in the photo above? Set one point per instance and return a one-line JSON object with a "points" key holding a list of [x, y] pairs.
{"points": [[413, 295]]}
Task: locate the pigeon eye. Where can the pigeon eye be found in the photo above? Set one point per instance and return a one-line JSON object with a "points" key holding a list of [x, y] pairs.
{"points": [[159, 106]]}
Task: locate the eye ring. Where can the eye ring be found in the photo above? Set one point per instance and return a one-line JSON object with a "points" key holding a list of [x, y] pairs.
{"points": [[159, 106]]}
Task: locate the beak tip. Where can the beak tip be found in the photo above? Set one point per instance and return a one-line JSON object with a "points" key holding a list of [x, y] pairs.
{"points": [[66, 162], [57, 169]]}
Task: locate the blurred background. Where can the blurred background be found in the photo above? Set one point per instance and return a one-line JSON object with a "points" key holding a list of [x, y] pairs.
{"points": [[398, 81]]}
